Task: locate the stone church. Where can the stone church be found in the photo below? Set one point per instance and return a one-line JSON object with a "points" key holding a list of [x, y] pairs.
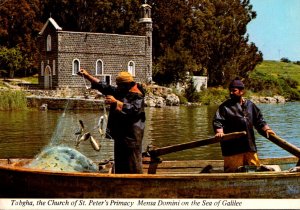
{"points": [[63, 53]]}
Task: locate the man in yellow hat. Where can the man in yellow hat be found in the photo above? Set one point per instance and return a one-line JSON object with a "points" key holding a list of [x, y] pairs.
{"points": [[126, 121]]}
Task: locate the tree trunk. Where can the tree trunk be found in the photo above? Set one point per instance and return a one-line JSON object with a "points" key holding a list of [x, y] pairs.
{"points": [[11, 73]]}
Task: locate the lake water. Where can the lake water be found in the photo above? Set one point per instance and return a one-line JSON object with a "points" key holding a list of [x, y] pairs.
{"points": [[26, 133]]}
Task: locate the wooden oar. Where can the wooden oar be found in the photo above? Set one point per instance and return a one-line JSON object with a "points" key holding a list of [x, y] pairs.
{"points": [[285, 145], [155, 153], [189, 145]]}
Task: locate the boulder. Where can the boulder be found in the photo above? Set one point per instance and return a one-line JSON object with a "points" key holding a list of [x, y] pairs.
{"points": [[172, 100]]}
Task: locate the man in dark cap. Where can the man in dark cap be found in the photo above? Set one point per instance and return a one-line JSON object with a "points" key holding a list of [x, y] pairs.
{"points": [[126, 120], [238, 114]]}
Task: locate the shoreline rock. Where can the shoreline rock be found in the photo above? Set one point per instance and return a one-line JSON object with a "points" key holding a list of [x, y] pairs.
{"points": [[268, 100], [158, 96]]}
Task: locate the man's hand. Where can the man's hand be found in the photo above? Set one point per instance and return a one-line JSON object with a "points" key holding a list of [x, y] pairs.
{"points": [[219, 133], [110, 99], [85, 74], [269, 131], [82, 72]]}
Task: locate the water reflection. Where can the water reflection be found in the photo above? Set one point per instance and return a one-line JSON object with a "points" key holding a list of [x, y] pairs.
{"points": [[22, 133], [25, 133]]}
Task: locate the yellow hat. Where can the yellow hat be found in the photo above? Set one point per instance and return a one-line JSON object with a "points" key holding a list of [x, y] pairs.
{"points": [[123, 77]]}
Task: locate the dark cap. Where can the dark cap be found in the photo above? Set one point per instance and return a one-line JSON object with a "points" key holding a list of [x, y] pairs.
{"points": [[237, 83]]}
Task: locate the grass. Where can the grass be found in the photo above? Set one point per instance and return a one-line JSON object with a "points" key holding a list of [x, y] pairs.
{"points": [[280, 69], [32, 80], [2, 84], [12, 100], [275, 78]]}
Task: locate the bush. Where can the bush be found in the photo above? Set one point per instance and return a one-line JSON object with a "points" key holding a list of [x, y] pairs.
{"points": [[291, 82], [297, 62], [191, 94], [182, 99], [285, 60], [212, 96], [269, 85]]}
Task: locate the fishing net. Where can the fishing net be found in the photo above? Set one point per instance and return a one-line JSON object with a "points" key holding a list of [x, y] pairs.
{"points": [[62, 158], [76, 139]]}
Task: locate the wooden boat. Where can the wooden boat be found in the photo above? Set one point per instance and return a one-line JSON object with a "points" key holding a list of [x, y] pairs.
{"points": [[174, 179], [161, 179]]}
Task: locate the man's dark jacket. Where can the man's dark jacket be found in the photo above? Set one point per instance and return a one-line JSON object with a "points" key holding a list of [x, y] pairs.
{"points": [[234, 117], [126, 127]]}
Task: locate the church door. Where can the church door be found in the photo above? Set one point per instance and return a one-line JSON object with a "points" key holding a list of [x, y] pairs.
{"points": [[47, 77]]}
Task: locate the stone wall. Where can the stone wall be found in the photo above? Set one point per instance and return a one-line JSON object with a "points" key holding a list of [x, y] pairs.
{"points": [[79, 98], [55, 103], [200, 82], [114, 50]]}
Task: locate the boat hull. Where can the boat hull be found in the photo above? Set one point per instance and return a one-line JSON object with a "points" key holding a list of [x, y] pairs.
{"points": [[19, 182]]}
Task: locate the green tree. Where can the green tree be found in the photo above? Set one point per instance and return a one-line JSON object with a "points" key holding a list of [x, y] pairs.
{"points": [[110, 16], [213, 32], [224, 40], [19, 27], [171, 57], [172, 67], [11, 60], [207, 36]]}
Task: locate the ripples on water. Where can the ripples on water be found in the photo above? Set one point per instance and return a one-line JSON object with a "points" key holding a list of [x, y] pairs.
{"points": [[24, 134], [284, 119], [176, 125]]}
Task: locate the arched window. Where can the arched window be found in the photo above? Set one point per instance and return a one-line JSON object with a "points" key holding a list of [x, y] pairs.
{"points": [[99, 67], [147, 12], [131, 68], [47, 71], [75, 66], [49, 43]]}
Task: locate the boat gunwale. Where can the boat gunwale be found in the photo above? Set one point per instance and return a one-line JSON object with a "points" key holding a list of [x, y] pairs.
{"points": [[256, 175]]}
